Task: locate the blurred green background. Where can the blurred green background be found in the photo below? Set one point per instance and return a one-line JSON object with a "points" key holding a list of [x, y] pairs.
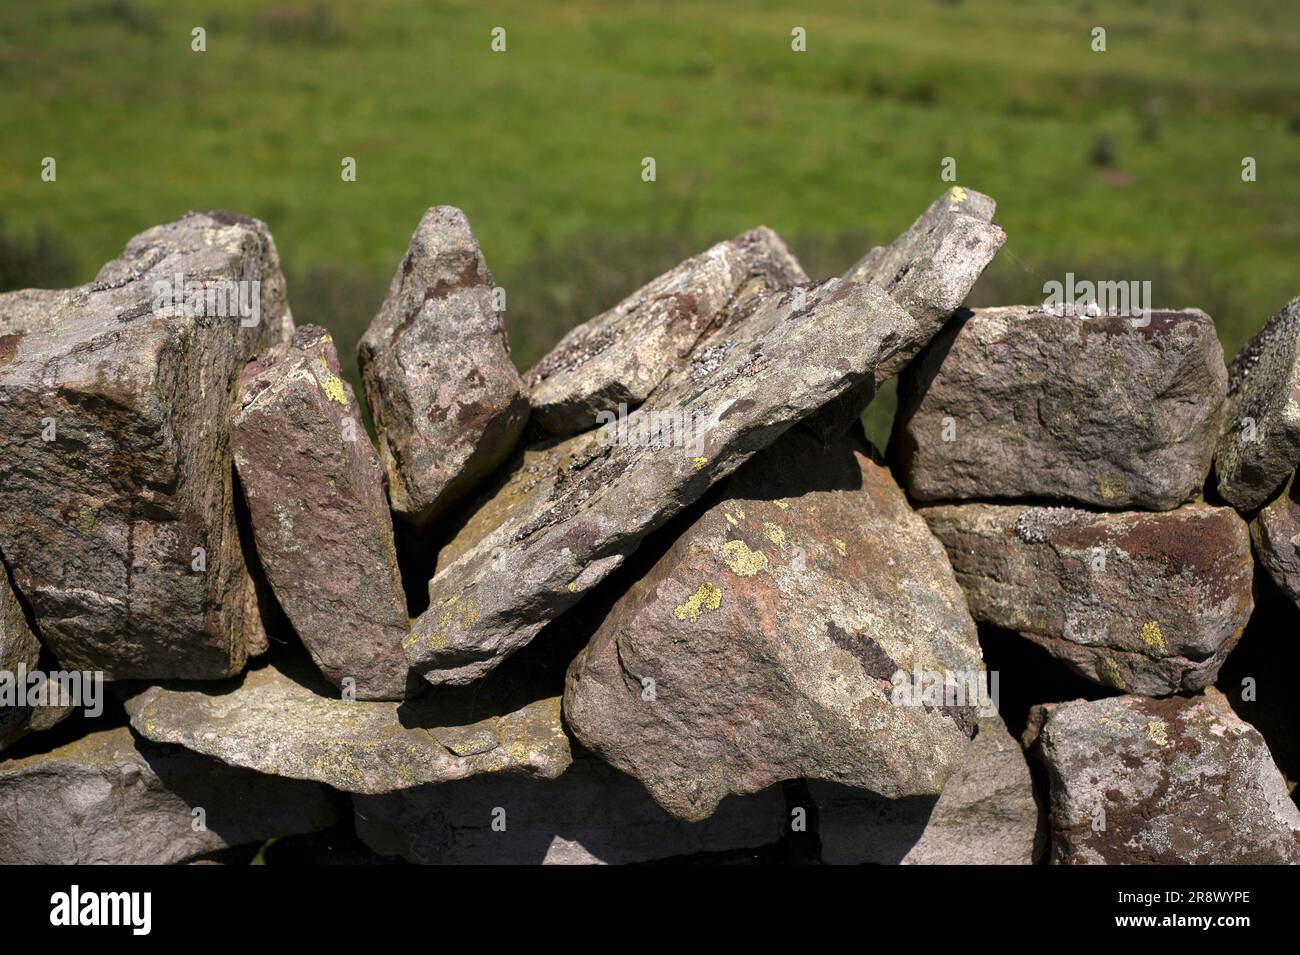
{"points": [[1124, 164]]}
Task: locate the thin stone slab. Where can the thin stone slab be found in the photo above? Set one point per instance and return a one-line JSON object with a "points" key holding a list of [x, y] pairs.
{"points": [[282, 721], [1260, 444], [1137, 781], [319, 516], [110, 798], [116, 510], [446, 398], [621, 356], [568, 514], [1150, 603], [1018, 402]]}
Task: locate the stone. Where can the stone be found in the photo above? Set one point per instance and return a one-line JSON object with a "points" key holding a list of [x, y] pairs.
{"points": [[1260, 444], [320, 520], [446, 398], [1275, 532], [280, 719], [109, 798], [621, 356], [1018, 402], [592, 814], [987, 814], [116, 511], [1143, 781], [767, 642], [929, 270], [567, 514], [1150, 603], [18, 648]]}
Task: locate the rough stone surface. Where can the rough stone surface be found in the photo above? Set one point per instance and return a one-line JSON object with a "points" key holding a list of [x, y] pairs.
{"points": [[621, 355], [1275, 532], [1260, 444], [1151, 603], [569, 514], [445, 396], [110, 798], [771, 632], [931, 268], [1017, 402], [100, 523], [1175, 781], [18, 648], [987, 814], [280, 720], [590, 815], [316, 502]]}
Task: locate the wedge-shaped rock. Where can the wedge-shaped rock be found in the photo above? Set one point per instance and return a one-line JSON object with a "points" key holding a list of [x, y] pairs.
{"points": [[1174, 781], [1260, 445], [764, 645], [283, 722], [19, 649], [316, 501], [111, 798], [591, 815], [116, 509], [987, 814], [1275, 532], [1149, 603], [619, 357], [446, 398], [931, 268], [1018, 402], [568, 514]]}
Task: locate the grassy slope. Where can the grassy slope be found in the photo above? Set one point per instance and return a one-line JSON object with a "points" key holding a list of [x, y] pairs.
{"points": [[542, 145]]}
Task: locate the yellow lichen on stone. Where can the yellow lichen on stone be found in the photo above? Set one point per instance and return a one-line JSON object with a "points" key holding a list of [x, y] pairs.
{"points": [[706, 597], [783, 505], [730, 520], [1156, 732], [956, 195], [699, 463], [774, 534], [1152, 636], [1111, 488], [85, 521], [1111, 671], [840, 546], [743, 561], [332, 385]]}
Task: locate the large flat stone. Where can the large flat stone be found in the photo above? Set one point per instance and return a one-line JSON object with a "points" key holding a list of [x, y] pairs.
{"points": [[1139, 781], [109, 798], [568, 514], [771, 634], [592, 814], [100, 524], [1260, 444], [445, 396], [622, 355], [319, 516], [283, 721], [1016, 402], [1151, 603]]}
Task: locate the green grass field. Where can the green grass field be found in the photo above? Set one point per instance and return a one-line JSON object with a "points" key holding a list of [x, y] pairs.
{"points": [[1124, 164]]}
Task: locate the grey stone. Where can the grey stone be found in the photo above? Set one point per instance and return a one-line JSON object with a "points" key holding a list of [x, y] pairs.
{"points": [[1275, 532], [446, 399], [1174, 781], [281, 720], [590, 815], [1017, 402], [772, 635], [101, 523], [1151, 603], [319, 516], [1260, 444], [621, 355], [110, 798], [568, 514]]}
